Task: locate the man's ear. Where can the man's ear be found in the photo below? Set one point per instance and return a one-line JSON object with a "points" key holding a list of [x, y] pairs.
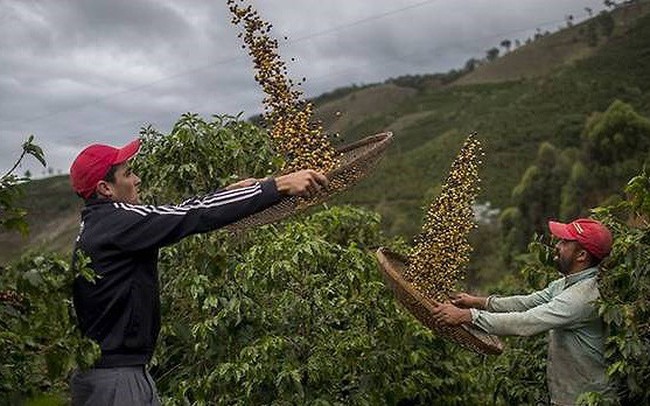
{"points": [[104, 188], [583, 255]]}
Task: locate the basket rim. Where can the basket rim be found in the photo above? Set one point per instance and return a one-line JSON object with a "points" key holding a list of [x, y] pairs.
{"points": [[370, 139], [379, 142], [386, 262], [378, 139]]}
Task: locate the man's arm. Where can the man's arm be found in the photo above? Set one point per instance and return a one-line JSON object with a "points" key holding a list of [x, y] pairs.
{"points": [[564, 309], [139, 227], [500, 304]]}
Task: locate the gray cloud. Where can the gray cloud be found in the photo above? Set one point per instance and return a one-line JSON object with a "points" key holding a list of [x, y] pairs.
{"points": [[76, 72]]}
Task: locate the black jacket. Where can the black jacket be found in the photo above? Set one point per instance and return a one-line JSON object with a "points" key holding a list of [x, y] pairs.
{"points": [[121, 309]]}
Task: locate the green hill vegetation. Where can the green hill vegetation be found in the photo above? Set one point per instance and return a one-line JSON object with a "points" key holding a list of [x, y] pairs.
{"points": [[512, 118], [53, 218]]}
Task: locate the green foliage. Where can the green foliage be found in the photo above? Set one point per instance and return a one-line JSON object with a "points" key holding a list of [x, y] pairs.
{"points": [[537, 198], [513, 235], [592, 33], [625, 290], [566, 184], [617, 135], [199, 156], [298, 315], [636, 187], [519, 375], [38, 338], [11, 216], [36, 328], [575, 191], [615, 146]]}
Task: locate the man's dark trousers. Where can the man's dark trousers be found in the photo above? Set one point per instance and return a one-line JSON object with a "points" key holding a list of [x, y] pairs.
{"points": [[113, 386]]}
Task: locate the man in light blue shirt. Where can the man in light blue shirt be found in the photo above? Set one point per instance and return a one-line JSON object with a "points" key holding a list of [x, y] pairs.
{"points": [[565, 308]]}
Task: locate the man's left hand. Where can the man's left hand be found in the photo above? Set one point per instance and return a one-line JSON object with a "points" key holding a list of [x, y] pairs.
{"points": [[447, 315]]}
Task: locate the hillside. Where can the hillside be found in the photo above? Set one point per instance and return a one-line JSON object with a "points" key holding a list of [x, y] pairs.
{"points": [[53, 217], [559, 49], [542, 91], [512, 118], [375, 101]]}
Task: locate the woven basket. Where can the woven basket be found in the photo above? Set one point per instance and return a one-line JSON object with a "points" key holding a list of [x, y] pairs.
{"points": [[392, 267], [356, 160]]}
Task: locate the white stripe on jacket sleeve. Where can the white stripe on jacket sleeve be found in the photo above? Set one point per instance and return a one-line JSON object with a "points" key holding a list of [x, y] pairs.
{"points": [[208, 201]]}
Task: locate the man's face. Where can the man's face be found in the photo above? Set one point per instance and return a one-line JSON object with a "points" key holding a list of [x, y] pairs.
{"points": [[567, 253], [125, 187]]}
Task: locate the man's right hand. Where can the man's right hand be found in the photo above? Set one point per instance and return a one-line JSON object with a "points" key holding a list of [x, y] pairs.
{"points": [[303, 183], [468, 301]]}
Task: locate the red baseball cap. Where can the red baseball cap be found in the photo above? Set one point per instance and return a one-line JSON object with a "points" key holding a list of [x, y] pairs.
{"points": [[92, 165], [592, 235]]}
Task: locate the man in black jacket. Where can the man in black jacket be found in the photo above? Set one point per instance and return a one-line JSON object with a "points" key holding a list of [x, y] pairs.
{"points": [[120, 308]]}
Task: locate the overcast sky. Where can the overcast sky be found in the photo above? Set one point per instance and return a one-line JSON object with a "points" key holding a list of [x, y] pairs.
{"points": [[78, 72]]}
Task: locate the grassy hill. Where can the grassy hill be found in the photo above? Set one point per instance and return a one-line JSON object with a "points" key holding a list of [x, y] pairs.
{"points": [[53, 217], [542, 91], [512, 115], [550, 51]]}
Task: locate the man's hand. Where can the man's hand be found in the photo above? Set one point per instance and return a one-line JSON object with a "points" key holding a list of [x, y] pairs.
{"points": [[447, 315], [303, 183], [242, 183], [468, 301]]}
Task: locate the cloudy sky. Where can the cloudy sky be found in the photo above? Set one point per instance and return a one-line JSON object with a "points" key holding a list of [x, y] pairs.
{"points": [[77, 72]]}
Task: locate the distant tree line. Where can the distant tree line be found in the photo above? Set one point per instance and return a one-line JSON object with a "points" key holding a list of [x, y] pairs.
{"points": [[602, 25]]}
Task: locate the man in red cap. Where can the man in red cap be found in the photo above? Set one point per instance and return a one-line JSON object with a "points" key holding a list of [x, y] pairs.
{"points": [[565, 308], [120, 308]]}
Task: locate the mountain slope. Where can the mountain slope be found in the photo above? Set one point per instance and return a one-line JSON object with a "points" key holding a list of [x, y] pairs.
{"points": [[559, 49], [512, 118], [53, 217]]}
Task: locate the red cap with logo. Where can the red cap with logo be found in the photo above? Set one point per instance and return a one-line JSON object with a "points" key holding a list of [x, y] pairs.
{"points": [[592, 235], [92, 165]]}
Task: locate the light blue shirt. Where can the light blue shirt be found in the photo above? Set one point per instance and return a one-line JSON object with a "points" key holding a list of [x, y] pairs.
{"points": [[576, 341]]}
